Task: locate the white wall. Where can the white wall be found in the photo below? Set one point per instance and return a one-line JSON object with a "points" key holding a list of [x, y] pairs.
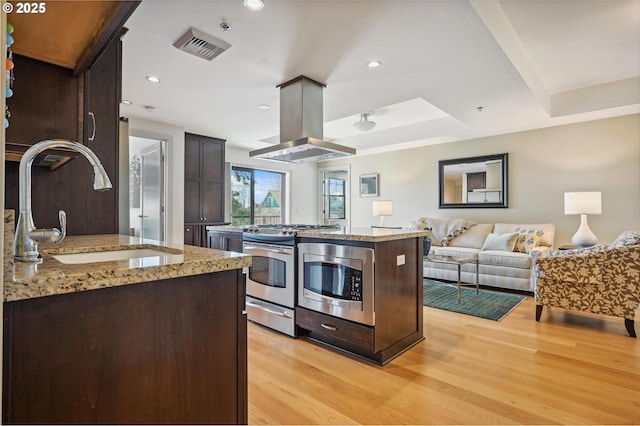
{"points": [[174, 135], [601, 155]]}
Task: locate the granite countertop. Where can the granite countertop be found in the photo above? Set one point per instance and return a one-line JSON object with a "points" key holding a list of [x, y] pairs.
{"points": [[374, 235], [24, 280]]}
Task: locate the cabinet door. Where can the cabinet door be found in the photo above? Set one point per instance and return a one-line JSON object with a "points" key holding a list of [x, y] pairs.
{"points": [[192, 191], [101, 134], [212, 180], [190, 234], [228, 241], [204, 179]]}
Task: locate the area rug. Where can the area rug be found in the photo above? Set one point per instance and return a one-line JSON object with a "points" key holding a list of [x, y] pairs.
{"points": [[489, 305]]}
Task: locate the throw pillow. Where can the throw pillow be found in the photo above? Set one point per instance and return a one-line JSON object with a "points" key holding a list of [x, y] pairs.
{"points": [[501, 242], [527, 239], [627, 238]]}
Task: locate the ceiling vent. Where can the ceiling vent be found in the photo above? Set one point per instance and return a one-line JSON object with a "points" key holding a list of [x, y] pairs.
{"points": [[200, 44]]}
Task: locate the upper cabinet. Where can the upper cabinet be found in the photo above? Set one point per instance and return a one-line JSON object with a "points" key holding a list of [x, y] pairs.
{"points": [[67, 92], [204, 180], [62, 87]]}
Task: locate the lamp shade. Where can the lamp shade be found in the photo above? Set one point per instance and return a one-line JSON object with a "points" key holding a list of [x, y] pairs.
{"points": [[382, 208], [582, 203]]}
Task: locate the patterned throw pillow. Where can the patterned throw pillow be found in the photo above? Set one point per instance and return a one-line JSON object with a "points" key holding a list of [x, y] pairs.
{"points": [[527, 239], [627, 238]]}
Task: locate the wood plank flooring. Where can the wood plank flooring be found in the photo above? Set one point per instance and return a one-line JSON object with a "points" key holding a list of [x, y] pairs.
{"points": [[569, 368]]}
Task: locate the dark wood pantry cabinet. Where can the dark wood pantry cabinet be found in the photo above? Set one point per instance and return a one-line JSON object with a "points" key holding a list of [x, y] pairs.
{"points": [[203, 186]]}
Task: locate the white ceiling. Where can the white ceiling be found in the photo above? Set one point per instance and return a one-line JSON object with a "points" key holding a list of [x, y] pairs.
{"points": [[528, 64]]}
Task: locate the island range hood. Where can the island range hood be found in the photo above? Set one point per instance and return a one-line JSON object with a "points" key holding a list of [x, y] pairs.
{"points": [[301, 126]]}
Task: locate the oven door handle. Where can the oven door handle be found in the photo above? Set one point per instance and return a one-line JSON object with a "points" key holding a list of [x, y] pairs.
{"points": [[269, 250], [271, 311]]}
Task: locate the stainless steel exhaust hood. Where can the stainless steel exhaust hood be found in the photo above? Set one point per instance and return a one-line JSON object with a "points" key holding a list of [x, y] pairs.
{"points": [[301, 126]]}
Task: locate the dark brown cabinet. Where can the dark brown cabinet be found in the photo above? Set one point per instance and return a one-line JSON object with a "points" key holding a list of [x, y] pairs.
{"points": [[222, 240], [163, 352], [203, 186], [398, 307], [69, 187], [59, 88], [195, 235]]}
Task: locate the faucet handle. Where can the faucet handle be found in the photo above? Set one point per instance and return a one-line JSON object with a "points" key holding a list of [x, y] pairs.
{"points": [[51, 235], [62, 216]]}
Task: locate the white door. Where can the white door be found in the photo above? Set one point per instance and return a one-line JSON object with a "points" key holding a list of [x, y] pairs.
{"points": [[152, 192]]}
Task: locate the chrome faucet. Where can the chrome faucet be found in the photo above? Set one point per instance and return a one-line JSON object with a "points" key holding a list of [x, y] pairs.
{"points": [[25, 243]]}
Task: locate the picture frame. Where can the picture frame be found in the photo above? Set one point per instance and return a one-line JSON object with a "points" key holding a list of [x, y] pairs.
{"points": [[474, 182], [369, 185]]}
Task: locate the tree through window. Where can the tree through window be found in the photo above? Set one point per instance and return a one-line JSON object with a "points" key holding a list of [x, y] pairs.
{"points": [[256, 197]]}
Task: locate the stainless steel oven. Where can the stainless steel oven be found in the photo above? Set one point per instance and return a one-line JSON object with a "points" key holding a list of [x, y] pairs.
{"points": [[337, 280], [271, 285]]}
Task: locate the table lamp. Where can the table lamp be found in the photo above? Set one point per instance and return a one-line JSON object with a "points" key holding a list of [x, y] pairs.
{"points": [[382, 208], [583, 203]]}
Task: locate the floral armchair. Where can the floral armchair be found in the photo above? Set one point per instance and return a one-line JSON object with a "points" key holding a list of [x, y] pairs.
{"points": [[603, 279]]}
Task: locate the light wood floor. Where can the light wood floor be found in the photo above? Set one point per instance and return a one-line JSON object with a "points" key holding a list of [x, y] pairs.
{"points": [[568, 369]]}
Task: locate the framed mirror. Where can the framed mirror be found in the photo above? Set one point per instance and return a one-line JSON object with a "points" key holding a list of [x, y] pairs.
{"points": [[474, 182]]}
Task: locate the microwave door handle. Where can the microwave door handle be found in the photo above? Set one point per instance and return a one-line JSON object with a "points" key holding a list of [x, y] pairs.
{"points": [[271, 311], [270, 250]]}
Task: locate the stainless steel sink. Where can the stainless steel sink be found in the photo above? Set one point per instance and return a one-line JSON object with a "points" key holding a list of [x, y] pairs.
{"points": [[141, 256]]}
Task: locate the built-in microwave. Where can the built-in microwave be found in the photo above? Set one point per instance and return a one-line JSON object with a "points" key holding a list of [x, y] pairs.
{"points": [[337, 280]]}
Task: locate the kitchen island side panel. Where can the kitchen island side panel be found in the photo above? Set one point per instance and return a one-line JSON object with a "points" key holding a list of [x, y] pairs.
{"points": [[162, 352], [398, 292]]}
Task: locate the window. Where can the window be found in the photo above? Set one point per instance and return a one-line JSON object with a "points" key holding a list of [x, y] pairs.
{"points": [[256, 197], [334, 198]]}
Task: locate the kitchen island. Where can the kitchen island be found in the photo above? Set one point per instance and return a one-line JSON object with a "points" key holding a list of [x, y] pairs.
{"points": [[152, 340], [396, 292]]}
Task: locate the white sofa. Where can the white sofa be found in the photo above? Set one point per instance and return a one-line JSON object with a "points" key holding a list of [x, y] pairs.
{"points": [[496, 268]]}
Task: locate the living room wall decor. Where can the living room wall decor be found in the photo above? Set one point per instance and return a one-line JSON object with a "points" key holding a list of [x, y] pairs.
{"points": [[369, 185], [474, 182]]}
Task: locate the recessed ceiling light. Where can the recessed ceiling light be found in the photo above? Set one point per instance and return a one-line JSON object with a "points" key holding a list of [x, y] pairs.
{"points": [[254, 4], [126, 102], [153, 79], [374, 64], [263, 107]]}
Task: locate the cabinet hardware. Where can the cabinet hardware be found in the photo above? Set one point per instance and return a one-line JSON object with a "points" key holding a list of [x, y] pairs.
{"points": [[93, 133], [329, 327]]}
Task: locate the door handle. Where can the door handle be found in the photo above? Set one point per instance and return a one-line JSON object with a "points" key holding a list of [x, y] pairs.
{"points": [[93, 133], [271, 311]]}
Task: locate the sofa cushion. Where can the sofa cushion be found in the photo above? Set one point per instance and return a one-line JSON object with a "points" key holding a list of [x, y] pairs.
{"points": [[474, 237], [527, 239], [545, 240], [503, 258], [456, 251], [500, 242]]}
